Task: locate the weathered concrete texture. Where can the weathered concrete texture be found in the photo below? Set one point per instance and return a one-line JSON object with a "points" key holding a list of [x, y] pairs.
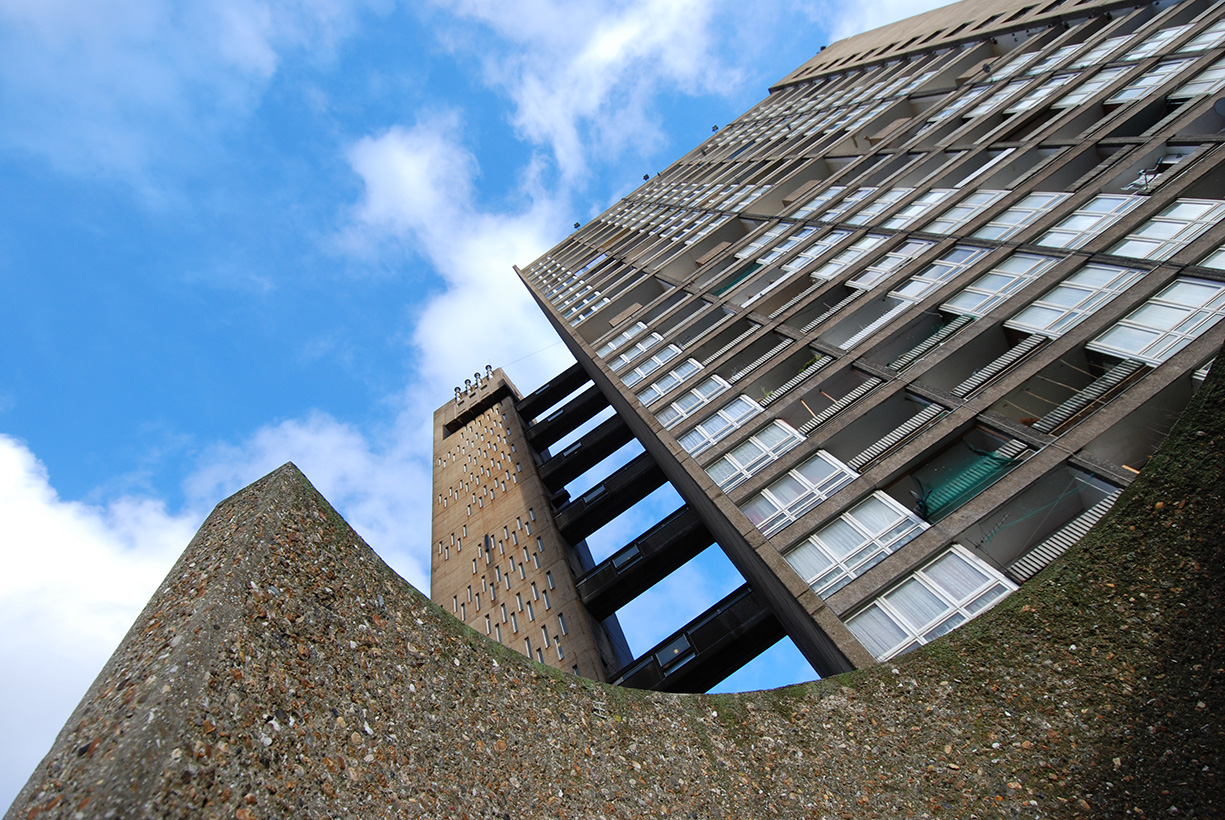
{"points": [[283, 670]]}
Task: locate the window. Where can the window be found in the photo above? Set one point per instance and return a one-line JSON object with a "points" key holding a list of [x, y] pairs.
{"points": [[878, 206], [1166, 323], [561, 624], [1143, 85], [993, 101], [1025, 211], [816, 250], [1210, 37], [964, 211], [1216, 259], [890, 263], [620, 339], [719, 425], [803, 488], [948, 110], [691, 401], [1054, 59], [817, 201], [548, 577], [1089, 88], [993, 288], [754, 455], [669, 381], [945, 269], [1208, 81], [1098, 54], [844, 260], [635, 350], [1088, 221], [761, 241], [786, 245], [852, 543], [650, 365], [1063, 307], [916, 209], [1172, 230], [849, 201], [1034, 98], [1154, 43], [934, 600]]}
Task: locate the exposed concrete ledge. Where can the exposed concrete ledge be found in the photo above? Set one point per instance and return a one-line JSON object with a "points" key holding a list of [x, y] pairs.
{"points": [[283, 670]]}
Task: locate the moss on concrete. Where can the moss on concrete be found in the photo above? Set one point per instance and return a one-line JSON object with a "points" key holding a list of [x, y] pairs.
{"points": [[283, 670]]}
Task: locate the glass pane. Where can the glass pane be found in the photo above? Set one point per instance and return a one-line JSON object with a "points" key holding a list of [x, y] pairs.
{"points": [[956, 576], [875, 514], [816, 470], [917, 605], [808, 560], [876, 630], [1158, 316], [759, 509], [841, 538], [787, 490]]}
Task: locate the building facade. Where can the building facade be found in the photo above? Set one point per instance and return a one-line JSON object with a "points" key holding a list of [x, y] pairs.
{"points": [[897, 336]]}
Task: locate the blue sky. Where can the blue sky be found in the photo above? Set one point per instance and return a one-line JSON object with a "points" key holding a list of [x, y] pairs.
{"points": [[242, 232]]}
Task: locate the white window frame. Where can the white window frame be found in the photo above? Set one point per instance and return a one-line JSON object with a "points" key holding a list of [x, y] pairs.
{"points": [[1024, 212], [639, 347], [719, 425], [834, 267], [878, 206], [965, 210], [759, 451], [668, 382], [943, 270], [1089, 87], [815, 251], [652, 363], [1173, 229], [1210, 37], [800, 490], [817, 201], [621, 339], [1067, 304], [1176, 316], [928, 200], [1078, 228], [787, 245], [1146, 81], [997, 285], [762, 240], [692, 401], [956, 606], [1035, 97], [1152, 44], [891, 263], [854, 542], [1208, 81], [1098, 54]]}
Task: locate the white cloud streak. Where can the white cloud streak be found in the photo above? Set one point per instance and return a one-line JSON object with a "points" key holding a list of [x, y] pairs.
{"points": [[75, 577], [584, 75]]}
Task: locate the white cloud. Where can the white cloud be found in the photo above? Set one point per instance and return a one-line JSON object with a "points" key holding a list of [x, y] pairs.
{"points": [[75, 577], [418, 184], [380, 483], [584, 76], [125, 88]]}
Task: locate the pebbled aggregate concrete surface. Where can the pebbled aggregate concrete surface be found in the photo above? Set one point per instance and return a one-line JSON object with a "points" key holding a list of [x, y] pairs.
{"points": [[283, 670]]}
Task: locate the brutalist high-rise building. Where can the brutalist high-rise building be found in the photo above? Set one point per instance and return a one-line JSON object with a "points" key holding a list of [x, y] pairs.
{"points": [[897, 336]]}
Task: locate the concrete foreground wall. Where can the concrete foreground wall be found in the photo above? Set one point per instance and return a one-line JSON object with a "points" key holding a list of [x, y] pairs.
{"points": [[283, 670]]}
